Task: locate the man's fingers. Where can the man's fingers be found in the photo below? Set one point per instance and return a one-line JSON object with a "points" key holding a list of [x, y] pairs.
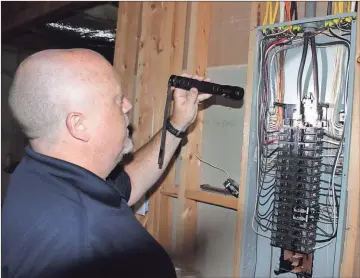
{"points": [[203, 97], [187, 75], [198, 77], [193, 95]]}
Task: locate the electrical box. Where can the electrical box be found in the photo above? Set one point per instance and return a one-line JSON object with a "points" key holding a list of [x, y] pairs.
{"points": [[296, 191]]}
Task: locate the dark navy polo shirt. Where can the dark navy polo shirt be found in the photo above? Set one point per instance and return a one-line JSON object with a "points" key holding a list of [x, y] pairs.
{"points": [[60, 220]]}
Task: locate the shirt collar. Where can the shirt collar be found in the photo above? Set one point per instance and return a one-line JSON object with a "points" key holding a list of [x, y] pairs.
{"points": [[79, 177]]}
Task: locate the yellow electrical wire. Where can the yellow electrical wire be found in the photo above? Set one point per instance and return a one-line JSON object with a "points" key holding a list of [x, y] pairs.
{"points": [[341, 7], [349, 6], [275, 12], [270, 13], [335, 7], [268, 6]]}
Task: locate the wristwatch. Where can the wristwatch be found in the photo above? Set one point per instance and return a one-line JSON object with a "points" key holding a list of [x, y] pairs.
{"points": [[174, 131]]}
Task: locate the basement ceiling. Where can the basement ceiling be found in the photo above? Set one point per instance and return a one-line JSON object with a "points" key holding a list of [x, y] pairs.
{"points": [[92, 28]]}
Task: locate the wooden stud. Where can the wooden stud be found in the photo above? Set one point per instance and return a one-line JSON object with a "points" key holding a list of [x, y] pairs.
{"points": [[351, 257], [126, 46], [160, 64], [175, 51], [147, 85], [255, 7], [143, 102], [196, 61]]}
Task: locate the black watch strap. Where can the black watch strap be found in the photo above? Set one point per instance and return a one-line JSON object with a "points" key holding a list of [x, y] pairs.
{"points": [[174, 131]]}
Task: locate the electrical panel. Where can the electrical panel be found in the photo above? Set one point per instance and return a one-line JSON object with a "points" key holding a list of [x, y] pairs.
{"points": [[303, 88]]}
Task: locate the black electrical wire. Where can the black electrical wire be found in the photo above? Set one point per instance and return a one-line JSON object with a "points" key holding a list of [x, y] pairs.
{"points": [[332, 137], [301, 68], [269, 155], [293, 10], [343, 41], [337, 36], [329, 8], [315, 69], [336, 199], [335, 184], [264, 215], [268, 199], [268, 192]]}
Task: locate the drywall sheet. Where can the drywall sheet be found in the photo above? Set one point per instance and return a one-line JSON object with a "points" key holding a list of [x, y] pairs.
{"points": [[221, 146]]}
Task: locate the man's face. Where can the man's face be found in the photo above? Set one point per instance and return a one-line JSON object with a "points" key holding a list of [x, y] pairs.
{"points": [[114, 138], [128, 144], [123, 106]]}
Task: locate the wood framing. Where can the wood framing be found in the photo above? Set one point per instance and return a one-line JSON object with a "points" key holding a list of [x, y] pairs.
{"points": [[226, 201], [196, 63], [157, 39], [254, 21], [176, 25], [149, 48], [126, 46], [350, 266]]}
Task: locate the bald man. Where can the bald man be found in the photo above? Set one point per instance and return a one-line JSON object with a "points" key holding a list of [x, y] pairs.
{"points": [[63, 215]]}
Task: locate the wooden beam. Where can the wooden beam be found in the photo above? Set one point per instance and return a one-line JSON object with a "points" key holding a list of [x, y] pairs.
{"points": [[175, 50], [212, 198], [155, 44], [226, 201], [39, 12], [254, 20], [196, 62], [351, 258], [127, 46]]}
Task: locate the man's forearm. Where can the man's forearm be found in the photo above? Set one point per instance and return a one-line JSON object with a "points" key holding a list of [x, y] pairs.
{"points": [[144, 169]]}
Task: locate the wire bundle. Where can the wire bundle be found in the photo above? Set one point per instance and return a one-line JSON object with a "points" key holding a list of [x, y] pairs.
{"points": [[270, 89], [287, 11]]}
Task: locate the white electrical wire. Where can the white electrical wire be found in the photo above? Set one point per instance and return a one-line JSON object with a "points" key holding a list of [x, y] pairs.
{"points": [[258, 149], [282, 11], [212, 165], [271, 125], [295, 43], [333, 196], [353, 5], [337, 130], [334, 128], [331, 142]]}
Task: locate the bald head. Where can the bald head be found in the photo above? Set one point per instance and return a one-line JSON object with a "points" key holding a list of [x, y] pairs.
{"points": [[70, 105], [50, 84]]}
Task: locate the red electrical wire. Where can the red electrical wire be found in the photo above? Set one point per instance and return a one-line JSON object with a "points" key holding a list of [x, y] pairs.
{"points": [[288, 10], [273, 140]]}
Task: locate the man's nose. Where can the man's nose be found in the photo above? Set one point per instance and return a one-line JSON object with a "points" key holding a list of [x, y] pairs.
{"points": [[126, 105]]}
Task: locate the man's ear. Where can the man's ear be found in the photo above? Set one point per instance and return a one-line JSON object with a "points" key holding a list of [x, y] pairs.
{"points": [[75, 123]]}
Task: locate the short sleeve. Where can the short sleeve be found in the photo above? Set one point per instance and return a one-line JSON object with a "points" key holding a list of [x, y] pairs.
{"points": [[121, 180]]}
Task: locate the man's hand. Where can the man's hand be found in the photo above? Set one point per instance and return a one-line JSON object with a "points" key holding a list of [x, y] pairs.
{"points": [[186, 105], [144, 170]]}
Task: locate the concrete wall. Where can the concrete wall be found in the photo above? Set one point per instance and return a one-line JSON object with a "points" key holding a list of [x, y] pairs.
{"points": [[12, 139]]}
